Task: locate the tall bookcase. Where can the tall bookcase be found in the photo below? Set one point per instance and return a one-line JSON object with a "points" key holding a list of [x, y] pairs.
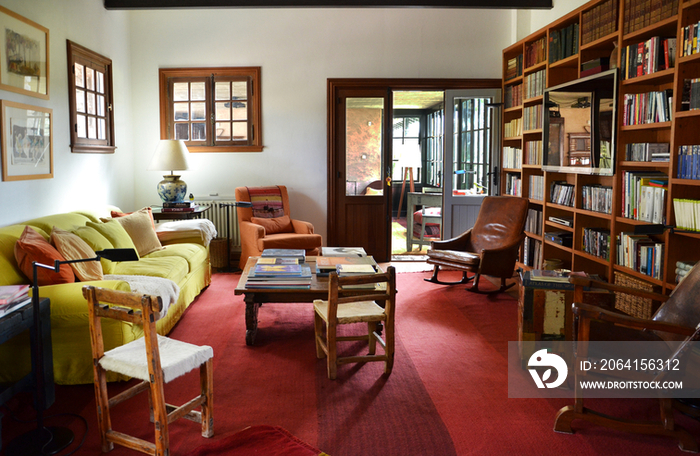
{"points": [[594, 31]]}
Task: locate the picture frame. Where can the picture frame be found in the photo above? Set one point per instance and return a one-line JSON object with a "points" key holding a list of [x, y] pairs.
{"points": [[24, 55], [27, 141]]}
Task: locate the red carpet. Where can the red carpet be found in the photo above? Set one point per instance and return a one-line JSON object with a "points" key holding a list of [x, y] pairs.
{"points": [[446, 396], [256, 441]]}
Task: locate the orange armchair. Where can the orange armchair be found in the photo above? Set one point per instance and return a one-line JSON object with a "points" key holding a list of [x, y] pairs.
{"points": [[268, 225]]}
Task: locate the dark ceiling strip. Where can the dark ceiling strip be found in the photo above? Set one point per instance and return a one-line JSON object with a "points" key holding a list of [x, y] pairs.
{"points": [[155, 4]]}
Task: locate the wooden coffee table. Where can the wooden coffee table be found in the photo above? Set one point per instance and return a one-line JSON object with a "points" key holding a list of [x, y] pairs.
{"points": [[254, 298]]}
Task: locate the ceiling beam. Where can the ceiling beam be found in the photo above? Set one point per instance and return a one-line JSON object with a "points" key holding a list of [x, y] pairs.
{"points": [[490, 4]]}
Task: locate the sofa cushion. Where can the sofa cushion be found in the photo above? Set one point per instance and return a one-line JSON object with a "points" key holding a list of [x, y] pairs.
{"points": [[117, 214], [97, 242], [32, 246], [11, 273], [73, 248], [194, 254], [290, 241], [274, 225], [66, 221], [115, 234], [139, 225], [170, 267]]}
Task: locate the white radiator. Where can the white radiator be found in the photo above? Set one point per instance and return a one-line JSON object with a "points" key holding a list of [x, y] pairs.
{"points": [[223, 215]]}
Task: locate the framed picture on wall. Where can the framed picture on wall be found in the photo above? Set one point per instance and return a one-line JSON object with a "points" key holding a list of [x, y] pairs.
{"points": [[24, 55], [27, 145]]}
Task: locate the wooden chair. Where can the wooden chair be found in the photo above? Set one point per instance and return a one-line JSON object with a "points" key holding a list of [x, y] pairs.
{"points": [[154, 359], [346, 309], [490, 248], [676, 320]]}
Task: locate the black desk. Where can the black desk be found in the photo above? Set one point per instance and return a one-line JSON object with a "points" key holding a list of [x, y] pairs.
{"points": [[16, 322]]}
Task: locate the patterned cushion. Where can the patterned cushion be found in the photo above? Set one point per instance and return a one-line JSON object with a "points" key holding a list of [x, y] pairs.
{"points": [[267, 202]]}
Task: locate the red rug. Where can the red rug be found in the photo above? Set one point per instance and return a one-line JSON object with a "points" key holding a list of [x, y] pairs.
{"points": [[446, 396], [257, 441]]}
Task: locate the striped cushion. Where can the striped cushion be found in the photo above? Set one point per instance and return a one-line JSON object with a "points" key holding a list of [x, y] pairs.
{"points": [[267, 201]]}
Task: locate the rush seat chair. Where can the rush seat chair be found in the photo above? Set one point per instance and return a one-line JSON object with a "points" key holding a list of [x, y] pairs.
{"points": [[342, 309], [155, 360], [268, 224], [489, 248]]}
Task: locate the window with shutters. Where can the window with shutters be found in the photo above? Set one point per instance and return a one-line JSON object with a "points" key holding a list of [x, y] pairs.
{"points": [[90, 100], [212, 109]]}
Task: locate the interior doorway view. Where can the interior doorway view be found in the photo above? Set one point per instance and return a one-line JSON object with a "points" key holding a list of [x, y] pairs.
{"points": [[394, 148]]}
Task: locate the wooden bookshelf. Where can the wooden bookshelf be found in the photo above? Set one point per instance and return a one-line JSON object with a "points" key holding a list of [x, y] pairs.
{"points": [[604, 26]]}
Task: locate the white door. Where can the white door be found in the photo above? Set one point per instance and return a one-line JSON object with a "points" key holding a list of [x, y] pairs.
{"points": [[472, 124]]}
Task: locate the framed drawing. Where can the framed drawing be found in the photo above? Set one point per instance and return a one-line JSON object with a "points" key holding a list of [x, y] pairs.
{"points": [[24, 55], [27, 141]]}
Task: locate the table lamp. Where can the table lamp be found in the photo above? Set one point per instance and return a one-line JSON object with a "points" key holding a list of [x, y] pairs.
{"points": [[50, 440], [171, 155]]}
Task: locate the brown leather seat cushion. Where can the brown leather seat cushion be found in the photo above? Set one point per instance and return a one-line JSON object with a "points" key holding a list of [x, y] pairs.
{"points": [[454, 256]]}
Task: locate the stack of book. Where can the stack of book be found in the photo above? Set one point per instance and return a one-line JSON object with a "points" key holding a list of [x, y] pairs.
{"points": [[13, 297], [352, 270], [595, 66], [543, 278], [682, 269], [280, 268], [343, 251], [327, 264], [299, 254], [180, 206]]}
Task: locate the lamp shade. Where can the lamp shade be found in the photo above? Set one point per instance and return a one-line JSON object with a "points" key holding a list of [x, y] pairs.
{"points": [[171, 155]]}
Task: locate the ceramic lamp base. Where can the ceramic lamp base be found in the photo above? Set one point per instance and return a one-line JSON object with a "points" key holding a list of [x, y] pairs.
{"points": [[171, 189]]}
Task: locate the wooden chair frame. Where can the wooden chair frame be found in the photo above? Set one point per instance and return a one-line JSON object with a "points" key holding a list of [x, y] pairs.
{"points": [[326, 344], [584, 314], [140, 310]]}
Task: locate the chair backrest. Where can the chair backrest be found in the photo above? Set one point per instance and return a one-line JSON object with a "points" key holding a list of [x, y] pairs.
{"points": [[245, 213], [683, 306], [338, 295], [136, 308], [501, 221]]}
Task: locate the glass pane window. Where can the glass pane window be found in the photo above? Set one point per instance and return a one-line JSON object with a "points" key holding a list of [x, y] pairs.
{"points": [[80, 126], [240, 110], [240, 131], [79, 75], [198, 111], [181, 91], [223, 131], [182, 131], [363, 150], [80, 100], [90, 78], [197, 90], [240, 90], [223, 111], [222, 90], [91, 103], [472, 133], [100, 82], [199, 131]]}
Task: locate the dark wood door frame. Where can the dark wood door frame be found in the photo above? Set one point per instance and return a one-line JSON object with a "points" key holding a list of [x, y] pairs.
{"points": [[334, 86]]}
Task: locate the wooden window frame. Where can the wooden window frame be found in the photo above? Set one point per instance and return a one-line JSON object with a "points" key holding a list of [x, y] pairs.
{"points": [[84, 56], [168, 75]]}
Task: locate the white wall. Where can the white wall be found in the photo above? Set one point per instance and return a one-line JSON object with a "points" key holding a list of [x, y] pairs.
{"points": [[530, 21], [80, 180], [298, 50]]}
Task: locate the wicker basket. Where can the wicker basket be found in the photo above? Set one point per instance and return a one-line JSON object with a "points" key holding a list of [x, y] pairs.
{"points": [[635, 306], [219, 253]]}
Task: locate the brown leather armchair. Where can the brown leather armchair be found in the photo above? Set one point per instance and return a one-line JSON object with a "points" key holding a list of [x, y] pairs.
{"points": [[258, 234], [490, 248], [676, 320]]}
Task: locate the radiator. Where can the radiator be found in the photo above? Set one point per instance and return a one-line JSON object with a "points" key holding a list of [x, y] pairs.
{"points": [[223, 215]]}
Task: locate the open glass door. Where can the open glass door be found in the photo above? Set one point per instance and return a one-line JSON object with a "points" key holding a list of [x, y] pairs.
{"points": [[471, 140]]}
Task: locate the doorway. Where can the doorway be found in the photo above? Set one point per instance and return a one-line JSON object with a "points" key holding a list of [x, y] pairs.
{"points": [[383, 136]]}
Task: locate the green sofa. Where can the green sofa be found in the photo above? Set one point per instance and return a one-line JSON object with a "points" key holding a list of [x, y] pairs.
{"points": [[184, 261]]}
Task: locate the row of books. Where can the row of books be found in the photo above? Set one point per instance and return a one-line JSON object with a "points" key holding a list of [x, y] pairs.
{"points": [[514, 67], [562, 193], [645, 108], [512, 157], [535, 52], [690, 44], [533, 152], [513, 128], [647, 152], [599, 21], [655, 54], [532, 117], [534, 84], [513, 185], [644, 195], [687, 214], [688, 162], [513, 95], [537, 187], [563, 43], [555, 280], [640, 253], [683, 268], [642, 13], [690, 96], [533, 223], [597, 198], [532, 252], [596, 242]]}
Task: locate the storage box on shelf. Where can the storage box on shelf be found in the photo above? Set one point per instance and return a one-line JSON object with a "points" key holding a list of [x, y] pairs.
{"points": [[656, 131]]}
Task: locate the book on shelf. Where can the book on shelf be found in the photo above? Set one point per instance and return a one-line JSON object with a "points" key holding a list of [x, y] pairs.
{"points": [[554, 280], [300, 254], [688, 162], [343, 251], [180, 209], [12, 293]]}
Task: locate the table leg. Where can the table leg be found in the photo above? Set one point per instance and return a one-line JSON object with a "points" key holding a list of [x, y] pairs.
{"points": [[251, 319]]}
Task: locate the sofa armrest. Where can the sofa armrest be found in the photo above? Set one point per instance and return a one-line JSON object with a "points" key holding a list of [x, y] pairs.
{"points": [[67, 298], [301, 227]]}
